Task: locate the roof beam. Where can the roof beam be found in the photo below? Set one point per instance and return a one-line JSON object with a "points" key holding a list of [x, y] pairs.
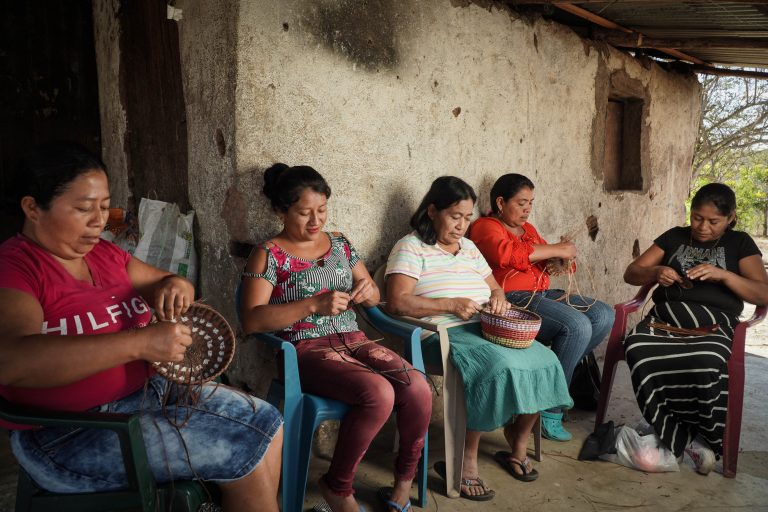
{"points": [[613, 2], [638, 40], [743, 73], [606, 23]]}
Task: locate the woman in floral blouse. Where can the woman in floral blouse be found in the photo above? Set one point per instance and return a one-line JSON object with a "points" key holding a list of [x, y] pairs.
{"points": [[302, 285]]}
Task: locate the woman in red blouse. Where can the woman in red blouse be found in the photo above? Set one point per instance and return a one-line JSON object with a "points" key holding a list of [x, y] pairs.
{"points": [[518, 257]]}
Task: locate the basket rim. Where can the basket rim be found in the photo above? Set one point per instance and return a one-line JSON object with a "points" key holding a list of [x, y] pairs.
{"points": [[535, 316]]}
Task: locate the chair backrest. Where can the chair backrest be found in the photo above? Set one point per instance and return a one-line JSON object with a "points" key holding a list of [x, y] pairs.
{"points": [[381, 281]]}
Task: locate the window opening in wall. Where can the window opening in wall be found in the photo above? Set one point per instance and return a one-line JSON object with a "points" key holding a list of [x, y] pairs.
{"points": [[621, 158]]}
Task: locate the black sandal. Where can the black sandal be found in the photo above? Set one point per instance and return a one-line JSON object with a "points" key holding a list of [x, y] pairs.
{"points": [[509, 462], [487, 495]]}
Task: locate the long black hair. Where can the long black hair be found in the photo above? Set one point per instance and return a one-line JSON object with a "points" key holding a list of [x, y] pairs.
{"points": [[507, 186], [283, 185], [444, 192], [47, 171], [718, 194]]}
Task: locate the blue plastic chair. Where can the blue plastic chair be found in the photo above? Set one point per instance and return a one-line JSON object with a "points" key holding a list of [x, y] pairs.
{"points": [[303, 412]]}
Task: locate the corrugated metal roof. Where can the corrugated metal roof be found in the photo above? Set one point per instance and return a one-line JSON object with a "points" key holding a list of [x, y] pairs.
{"points": [[736, 25]]}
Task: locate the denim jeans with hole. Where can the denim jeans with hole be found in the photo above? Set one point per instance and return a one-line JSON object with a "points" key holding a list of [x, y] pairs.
{"points": [[570, 333], [224, 439]]}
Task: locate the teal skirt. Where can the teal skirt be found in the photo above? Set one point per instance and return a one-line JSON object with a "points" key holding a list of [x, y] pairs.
{"points": [[500, 382]]}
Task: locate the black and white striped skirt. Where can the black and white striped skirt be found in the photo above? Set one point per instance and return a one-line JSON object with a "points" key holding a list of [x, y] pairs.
{"points": [[681, 382]]}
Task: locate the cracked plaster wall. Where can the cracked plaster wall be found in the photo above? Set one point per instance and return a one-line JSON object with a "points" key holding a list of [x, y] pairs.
{"points": [[383, 96]]}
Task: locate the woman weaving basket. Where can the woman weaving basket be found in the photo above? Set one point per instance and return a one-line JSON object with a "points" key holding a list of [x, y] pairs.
{"points": [[75, 337], [303, 284], [572, 325], [437, 274], [704, 272]]}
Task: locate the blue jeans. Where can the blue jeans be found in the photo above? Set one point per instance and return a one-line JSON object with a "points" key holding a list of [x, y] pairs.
{"points": [[571, 334], [226, 436]]}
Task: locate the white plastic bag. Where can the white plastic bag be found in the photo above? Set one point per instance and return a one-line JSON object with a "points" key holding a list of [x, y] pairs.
{"points": [[166, 238], [645, 453]]}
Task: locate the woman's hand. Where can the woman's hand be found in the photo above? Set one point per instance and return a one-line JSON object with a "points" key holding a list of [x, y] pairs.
{"points": [[362, 291], [464, 308], [707, 272], [565, 249], [330, 303], [498, 304], [667, 276], [173, 297], [166, 342]]}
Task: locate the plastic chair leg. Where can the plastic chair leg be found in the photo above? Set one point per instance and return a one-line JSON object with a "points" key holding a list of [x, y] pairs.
{"points": [[421, 475], [455, 426], [732, 433], [613, 354], [537, 439]]}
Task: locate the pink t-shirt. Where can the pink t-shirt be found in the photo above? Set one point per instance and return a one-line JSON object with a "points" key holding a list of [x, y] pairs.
{"points": [[72, 307]]}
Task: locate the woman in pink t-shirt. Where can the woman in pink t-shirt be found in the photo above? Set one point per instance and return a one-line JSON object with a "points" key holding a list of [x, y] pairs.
{"points": [[75, 337]]}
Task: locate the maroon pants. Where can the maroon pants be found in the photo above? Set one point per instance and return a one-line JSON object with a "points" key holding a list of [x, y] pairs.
{"points": [[338, 374]]}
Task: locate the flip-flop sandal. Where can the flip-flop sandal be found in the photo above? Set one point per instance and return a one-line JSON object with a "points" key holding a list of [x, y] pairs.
{"points": [[323, 506], [508, 462], [487, 495], [385, 493]]}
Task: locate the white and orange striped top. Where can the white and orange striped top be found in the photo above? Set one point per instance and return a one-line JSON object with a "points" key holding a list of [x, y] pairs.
{"points": [[439, 273]]}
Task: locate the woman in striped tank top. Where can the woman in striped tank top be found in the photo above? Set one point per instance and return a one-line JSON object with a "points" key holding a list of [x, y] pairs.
{"points": [[302, 285]]}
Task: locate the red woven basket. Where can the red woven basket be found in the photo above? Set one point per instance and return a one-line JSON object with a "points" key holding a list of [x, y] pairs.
{"points": [[515, 328]]}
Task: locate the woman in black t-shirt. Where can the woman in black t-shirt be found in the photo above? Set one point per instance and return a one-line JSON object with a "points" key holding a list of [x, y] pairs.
{"points": [[705, 272]]}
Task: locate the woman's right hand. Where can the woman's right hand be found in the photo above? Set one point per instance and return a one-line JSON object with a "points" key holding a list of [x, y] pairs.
{"points": [[667, 276], [464, 308], [166, 342], [331, 303]]}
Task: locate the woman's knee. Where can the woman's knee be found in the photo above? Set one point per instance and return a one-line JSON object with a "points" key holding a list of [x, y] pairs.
{"points": [[378, 394]]}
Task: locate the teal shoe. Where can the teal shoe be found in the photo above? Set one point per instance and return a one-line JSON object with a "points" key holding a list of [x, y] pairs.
{"points": [[552, 426]]}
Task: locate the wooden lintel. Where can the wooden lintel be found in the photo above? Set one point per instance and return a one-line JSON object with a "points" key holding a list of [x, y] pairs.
{"points": [[743, 73]]}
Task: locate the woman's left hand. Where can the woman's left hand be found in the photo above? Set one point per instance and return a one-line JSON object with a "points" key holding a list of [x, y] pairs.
{"points": [[498, 304], [173, 297], [362, 291], [706, 272]]}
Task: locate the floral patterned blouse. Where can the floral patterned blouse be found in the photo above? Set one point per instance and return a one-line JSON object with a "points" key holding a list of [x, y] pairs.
{"points": [[295, 278]]}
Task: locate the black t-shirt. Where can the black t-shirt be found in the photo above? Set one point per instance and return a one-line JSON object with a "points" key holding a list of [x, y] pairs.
{"points": [[682, 253]]}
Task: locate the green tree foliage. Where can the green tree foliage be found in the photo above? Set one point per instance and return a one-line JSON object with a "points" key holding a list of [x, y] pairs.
{"points": [[750, 182]]}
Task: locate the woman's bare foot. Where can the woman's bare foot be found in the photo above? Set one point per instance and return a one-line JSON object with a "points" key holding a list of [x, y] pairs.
{"points": [[471, 484], [336, 502]]}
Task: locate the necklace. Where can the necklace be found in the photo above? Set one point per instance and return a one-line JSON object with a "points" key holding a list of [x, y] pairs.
{"points": [[717, 241]]}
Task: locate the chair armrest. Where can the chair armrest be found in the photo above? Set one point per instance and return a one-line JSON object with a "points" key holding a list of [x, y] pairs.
{"points": [[408, 332], [757, 317], [126, 426], [637, 301], [290, 362], [623, 310]]}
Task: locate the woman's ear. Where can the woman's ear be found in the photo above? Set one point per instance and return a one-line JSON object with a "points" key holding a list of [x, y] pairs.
{"points": [[431, 211], [30, 208], [499, 204]]}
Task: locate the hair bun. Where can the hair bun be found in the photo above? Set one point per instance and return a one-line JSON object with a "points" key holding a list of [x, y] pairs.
{"points": [[271, 177]]}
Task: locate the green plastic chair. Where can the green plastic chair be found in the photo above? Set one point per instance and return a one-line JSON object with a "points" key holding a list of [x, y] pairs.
{"points": [[142, 493]]}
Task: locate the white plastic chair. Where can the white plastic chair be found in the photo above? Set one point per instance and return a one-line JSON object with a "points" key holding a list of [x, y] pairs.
{"points": [[454, 406]]}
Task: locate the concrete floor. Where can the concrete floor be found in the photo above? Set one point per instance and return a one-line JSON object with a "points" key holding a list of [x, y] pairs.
{"points": [[566, 483]]}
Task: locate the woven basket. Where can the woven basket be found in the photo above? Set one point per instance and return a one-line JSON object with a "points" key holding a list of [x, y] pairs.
{"points": [[515, 328], [211, 351]]}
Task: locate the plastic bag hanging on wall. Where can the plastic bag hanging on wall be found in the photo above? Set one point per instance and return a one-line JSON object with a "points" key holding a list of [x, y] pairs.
{"points": [[166, 240]]}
